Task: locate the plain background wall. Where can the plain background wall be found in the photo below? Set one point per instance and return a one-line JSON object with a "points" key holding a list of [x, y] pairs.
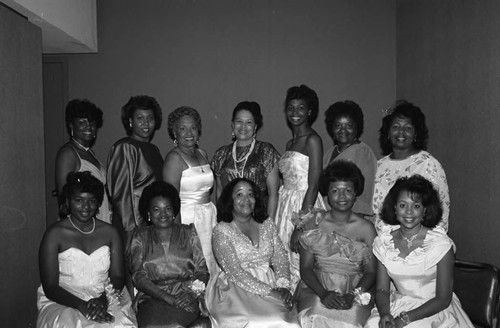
{"points": [[448, 63], [213, 54], [22, 210]]}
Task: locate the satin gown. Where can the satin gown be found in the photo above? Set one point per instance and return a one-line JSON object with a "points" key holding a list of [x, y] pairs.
{"points": [[415, 280], [132, 166], [238, 296], [196, 207], [104, 213], [85, 276], [294, 167], [338, 264], [168, 266]]}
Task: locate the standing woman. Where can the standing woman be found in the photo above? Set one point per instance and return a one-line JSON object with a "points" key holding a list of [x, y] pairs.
{"points": [[247, 157], [403, 139], [83, 118], [186, 168], [134, 162], [300, 166], [344, 123]]}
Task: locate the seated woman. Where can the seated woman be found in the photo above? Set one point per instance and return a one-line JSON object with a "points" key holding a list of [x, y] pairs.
{"points": [[336, 262], [252, 290], [81, 264], [166, 262], [418, 258]]}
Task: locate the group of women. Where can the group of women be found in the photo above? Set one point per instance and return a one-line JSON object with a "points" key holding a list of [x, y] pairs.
{"points": [[304, 239]]}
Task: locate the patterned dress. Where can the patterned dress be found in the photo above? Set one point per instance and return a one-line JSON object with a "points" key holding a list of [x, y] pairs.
{"points": [[239, 295], [389, 170]]}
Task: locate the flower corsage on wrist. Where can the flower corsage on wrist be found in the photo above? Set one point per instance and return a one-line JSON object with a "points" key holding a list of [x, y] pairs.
{"points": [[405, 319], [112, 295], [198, 287], [302, 218], [360, 297]]}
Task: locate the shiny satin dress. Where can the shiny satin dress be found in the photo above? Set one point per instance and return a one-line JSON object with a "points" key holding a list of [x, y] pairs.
{"points": [[85, 276], [132, 166], [415, 280], [196, 207], [238, 296], [338, 264], [104, 213], [294, 167], [168, 266]]}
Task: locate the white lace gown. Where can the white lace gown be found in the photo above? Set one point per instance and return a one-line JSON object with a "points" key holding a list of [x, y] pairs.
{"points": [[415, 280], [85, 276], [294, 167]]}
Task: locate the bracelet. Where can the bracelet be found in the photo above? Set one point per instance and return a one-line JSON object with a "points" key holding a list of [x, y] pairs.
{"points": [[405, 319]]}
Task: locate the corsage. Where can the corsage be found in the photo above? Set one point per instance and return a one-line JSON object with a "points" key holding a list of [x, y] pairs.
{"points": [[198, 287], [113, 295], [360, 297]]}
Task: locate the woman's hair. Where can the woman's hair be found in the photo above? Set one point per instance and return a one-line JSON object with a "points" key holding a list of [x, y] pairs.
{"points": [[82, 108], [347, 108], [144, 103], [307, 94], [342, 170], [253, 108], [180, 112], [419, 189], [79, 182], [404, 109], [225, 202], [158, 189]]}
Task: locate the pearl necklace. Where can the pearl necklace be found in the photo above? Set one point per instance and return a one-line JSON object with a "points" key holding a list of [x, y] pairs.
{"points": [[243, 159], [409, 240], [84, 232]]}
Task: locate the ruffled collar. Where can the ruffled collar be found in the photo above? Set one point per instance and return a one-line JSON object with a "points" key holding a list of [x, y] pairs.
{"points": [[416, 255]]}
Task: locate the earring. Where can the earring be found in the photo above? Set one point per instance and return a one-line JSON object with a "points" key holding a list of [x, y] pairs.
{"points": [[176, 143], [197, 142], [233, 136], [71, 132], [130, 124]]}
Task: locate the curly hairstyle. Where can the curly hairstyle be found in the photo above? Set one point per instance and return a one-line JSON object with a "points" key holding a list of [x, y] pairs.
{"points": [[158, 189], [82, 108], [254, 108], [180, 112], [140, 102], [404, 109], [342, 170], [307, 94], [346, 108], [225, 202], [418, 188], [79, 182]]}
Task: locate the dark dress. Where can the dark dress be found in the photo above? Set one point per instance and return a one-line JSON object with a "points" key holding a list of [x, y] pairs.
{"points": [[132, 166], [169, 266]]}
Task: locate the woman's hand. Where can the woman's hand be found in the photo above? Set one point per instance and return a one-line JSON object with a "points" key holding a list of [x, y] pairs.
{"points": [[294, 241], [386, 321], [187, 301], [348, 301], [333, 300], [284, 296], [96, 309]]}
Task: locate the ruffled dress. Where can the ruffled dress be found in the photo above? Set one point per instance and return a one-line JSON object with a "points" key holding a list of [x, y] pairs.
{"points": [[238, 297], [415, 280], [338, 264]]}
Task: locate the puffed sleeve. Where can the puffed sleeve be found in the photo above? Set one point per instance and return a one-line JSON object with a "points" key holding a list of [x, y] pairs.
{"points": [[225, 253], [138, 242], [437, 244], [200, 265], [121, 168], [365, 159], [279, 260], [270, 157], [435, 173], [217, 160]]}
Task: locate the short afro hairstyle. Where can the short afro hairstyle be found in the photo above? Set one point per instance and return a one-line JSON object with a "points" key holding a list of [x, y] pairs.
{"points": [[144, 103], [254, 108], [418, 188], [342, 170], [82, 108], [225, 202], [404, 109], [79, 182], [180, 112], [158, 189], [303, 92], [347, 108]]}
